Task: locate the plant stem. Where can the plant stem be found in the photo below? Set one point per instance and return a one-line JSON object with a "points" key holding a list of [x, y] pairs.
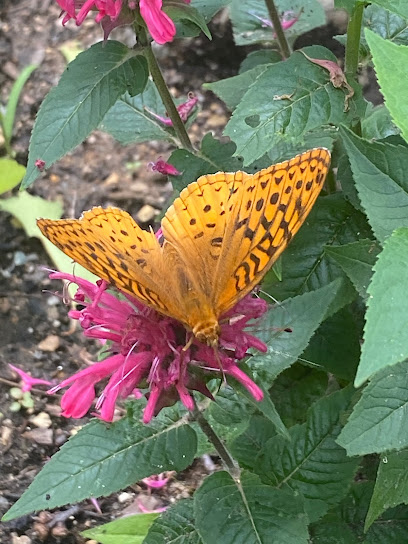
{"points": [[167, 99], [222, 451], [353, 39], [277, 26]]}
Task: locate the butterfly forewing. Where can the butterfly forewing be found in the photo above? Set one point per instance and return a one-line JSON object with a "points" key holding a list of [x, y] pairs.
{"points": [[110, 244], [275, 202]]}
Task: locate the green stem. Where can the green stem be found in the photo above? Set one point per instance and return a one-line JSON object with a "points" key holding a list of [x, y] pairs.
{"points": [[353, 39], [167, 99], [277, 27], [222, 451]]}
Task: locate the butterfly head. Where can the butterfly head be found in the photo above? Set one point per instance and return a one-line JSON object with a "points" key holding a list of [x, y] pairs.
{"points": [[207, 332]]}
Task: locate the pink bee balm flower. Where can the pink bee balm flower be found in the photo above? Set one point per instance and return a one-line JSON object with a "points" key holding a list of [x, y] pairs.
{"points": [[161, 27], [148, 348], [28, 382], [164, 167], [183, 109], [112, 13]]}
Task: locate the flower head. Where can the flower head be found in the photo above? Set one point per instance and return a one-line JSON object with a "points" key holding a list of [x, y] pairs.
{"points": [[147, 350], [164, 168], [113, 13], [183, 109]]}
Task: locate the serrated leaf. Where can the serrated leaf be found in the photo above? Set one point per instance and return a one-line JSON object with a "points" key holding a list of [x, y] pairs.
{"points": [[213, 157], [249, 29], [303, 314], [295, 388], [103, 458], [328, 349], [188, 14], [391, 486], [175, 526], [11, 173], [311, 463], [391, 528], [248, 512], [256, 58], [128, 120], [331, 531], [246, 446], [207, 9], [305, 267], [379, 174], [397, 6], [128, 530], [286, 101], [88, 88], [377, 124], [357, 260], [378, 422], [232, 90], [390, 62], [386, 24], [386, 316]]}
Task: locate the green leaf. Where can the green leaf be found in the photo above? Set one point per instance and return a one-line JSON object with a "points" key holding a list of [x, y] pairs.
{"points": [[379, 174], [188, 14], [305, 264], [311, 463], [391, 486], [7, 120], [249, 29], [232, 90], [27, 209], [357, 260], [378, 124], [103, 458], [386, 24], [175, 526], [397, 6], [128, 120], [128, 530], [248, 512], [391, 528], [378, 422], [328, 349], [303, 314], [11, 173], [246, 446], [386, 316], [213, 157], [390, 62], [348, 5], [207, 9], [287, 100], [88, 88], [331, 531], [256, 58], [295, 388]]}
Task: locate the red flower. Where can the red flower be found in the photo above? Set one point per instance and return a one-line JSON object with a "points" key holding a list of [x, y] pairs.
{"points": [[112, 13], [164, 168], [147, 350]]}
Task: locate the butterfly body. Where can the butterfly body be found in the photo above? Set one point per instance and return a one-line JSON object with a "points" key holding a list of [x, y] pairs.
{"points": [[221, 236]]}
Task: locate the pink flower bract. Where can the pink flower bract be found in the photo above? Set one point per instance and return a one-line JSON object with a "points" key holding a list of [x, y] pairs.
{"points": [[147, 350]]}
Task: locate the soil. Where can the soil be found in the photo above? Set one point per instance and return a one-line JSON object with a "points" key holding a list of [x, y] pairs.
{"points": [[36, 334]]}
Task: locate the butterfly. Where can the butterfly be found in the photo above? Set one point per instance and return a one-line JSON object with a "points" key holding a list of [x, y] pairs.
{"points": [[221, 236]]}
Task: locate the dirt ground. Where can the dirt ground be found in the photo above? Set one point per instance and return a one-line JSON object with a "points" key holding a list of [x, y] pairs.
{"points": [[34, 325]]}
